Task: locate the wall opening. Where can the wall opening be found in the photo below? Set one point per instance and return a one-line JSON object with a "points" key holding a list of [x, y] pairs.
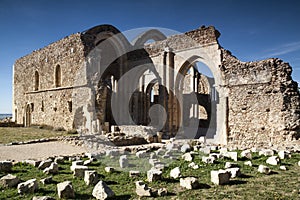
{"points": [[36, 81], [57, 76]]}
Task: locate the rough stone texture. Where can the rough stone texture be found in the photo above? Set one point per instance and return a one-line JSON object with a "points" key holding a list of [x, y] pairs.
{"points": [[29, 186], [154, 175], [34, 163], [91, 177], [65, 190], [248, 163], [234, 172], [187, 157], [208, 160], [102, 191], [266, 152], [79, 170], [47, 180], [220, 177], [185, 148], [134, 173], [142, 189], [123, 161], [109, 169], [246, 154], [175, 173], [256, 103], [44, 164], [52, 169], [193, 165], [162, 192], [5, 166], [264, 169], [9, 181], [189, 183], [273, 160]]}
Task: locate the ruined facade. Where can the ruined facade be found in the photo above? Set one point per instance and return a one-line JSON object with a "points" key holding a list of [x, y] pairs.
{"points": [[97, 78]]}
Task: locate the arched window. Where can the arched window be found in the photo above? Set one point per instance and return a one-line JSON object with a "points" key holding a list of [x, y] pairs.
{"points": [[36, 81], [57, 76]]}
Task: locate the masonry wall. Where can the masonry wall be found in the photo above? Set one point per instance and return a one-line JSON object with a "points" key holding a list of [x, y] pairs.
{"points": [[49, 104], [263, 101]]}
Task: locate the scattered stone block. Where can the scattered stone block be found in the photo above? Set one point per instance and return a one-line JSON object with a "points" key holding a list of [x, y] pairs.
{"points": [[248, 163], [77, 162], [298, 163], [102, 191], [44, 164], [9, 181], [187, 157], [266, 152], [234, 172], [154, 175], [32, 162], [78, 170], [185, 148], [91, 177], [65, 190], [123, 161], [246, 154], [43, 198], [5, 166], [273, 160], [109, 169], [142, 189], [87, 162], [189, 183], [202, 139], [283, 168], [162, 192], [47, 180], [52, 169], [141, 154], [59, 160], [283, 154], [223, 150], [175, 173], [264, 169], [160, 152], [213, 148], [134, 173], [205, 150], [208, 160], [232, 155], [230, 165], [215, 155], [29, 186], [193, 165], [220, 177]]}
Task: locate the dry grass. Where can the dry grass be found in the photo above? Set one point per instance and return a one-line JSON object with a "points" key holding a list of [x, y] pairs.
{"points": [[18, 134]]}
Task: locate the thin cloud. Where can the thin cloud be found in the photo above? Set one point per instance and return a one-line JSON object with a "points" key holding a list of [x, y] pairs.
{"points": [[283, 49]]}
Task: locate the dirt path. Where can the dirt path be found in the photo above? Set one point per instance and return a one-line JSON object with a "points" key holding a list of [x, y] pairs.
{"points": [[38, 151]]}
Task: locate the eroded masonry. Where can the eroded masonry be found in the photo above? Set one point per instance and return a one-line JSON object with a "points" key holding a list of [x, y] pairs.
{"points": [[96, 79]]}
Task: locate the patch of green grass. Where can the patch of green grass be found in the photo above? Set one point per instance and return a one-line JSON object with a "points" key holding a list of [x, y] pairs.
{"points": [[19, 134], [252, 185]]}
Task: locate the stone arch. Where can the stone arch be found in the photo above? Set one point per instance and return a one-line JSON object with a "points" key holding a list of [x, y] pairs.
{"points": [[153, 34], [203, 100]]}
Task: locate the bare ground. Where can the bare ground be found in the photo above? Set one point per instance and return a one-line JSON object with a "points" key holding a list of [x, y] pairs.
{"points": [[38, 151]]}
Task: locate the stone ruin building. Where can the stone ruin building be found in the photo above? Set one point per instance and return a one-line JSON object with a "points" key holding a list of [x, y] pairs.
{"points": [[71, 83]]}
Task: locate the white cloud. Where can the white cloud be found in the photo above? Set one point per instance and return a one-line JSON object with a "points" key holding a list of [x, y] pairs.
{"points": [[283, 49]]}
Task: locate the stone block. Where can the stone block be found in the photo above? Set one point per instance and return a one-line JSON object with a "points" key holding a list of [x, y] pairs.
{"points": [[220, 177]]}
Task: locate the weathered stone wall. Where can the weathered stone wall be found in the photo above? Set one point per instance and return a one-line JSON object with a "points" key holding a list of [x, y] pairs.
{"points": [[51, 104], [263, 101]]}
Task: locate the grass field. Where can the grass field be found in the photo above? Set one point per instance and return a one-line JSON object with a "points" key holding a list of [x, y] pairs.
{"points": [[18, 134], [252, 185]]}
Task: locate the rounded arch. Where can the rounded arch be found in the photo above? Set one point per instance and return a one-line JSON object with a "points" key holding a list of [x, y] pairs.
{"points": [[153, 34]]}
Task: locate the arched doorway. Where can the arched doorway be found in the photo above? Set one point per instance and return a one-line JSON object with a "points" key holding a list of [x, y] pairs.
{"points": [[198, 97]]}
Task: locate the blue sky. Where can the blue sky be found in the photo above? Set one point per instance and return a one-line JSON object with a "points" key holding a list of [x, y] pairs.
{"points": [[251, 30]]}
